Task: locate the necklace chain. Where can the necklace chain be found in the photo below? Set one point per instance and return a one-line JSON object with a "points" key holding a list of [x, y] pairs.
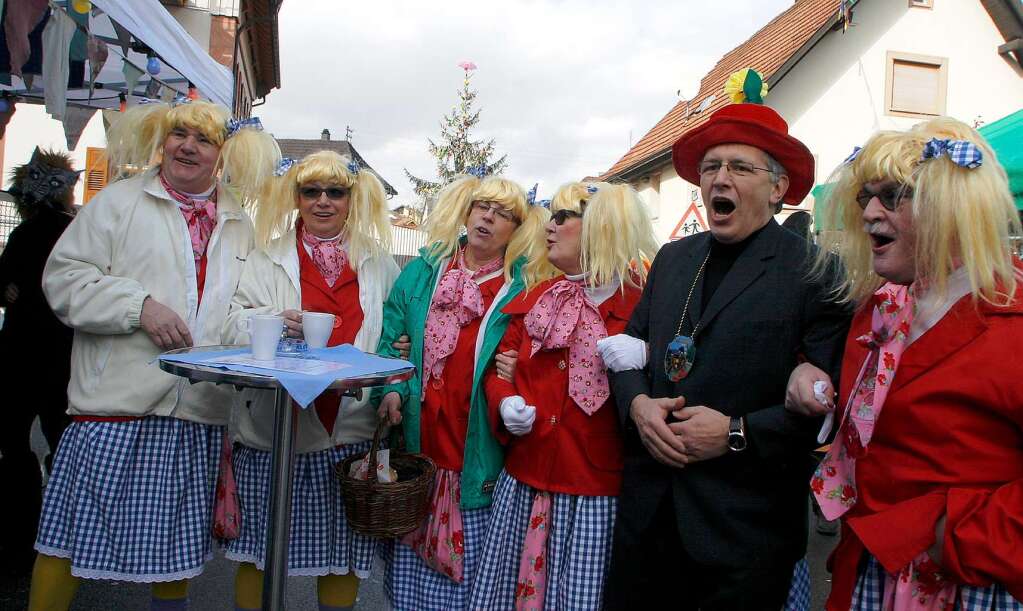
{"points": [[692, 287]]}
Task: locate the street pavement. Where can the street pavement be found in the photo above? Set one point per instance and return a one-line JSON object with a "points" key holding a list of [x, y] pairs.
{"points": [[213, 590]]}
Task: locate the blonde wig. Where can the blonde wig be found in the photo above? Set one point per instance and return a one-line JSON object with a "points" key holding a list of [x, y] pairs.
{"points": [[617, 241], [247, 158], [569, 196], [367, 225], [446, 223], [961, 216]]}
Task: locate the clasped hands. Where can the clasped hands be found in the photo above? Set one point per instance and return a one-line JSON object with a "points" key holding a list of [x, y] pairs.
{"points": [[700, 432]]}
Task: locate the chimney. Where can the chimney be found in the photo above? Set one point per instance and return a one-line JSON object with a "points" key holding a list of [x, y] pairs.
{"points": [[325, 134]]}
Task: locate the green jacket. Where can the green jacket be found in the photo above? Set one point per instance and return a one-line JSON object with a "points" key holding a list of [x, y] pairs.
{"points": [[405, 313]]}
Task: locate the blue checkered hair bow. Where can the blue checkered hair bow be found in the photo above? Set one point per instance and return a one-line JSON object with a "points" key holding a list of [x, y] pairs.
{"points": [[853, 155], [544, 203], [531, 194], [479, 171], [233, 125], [963, 153], [591, 189], [353, 167], [283, 166]]}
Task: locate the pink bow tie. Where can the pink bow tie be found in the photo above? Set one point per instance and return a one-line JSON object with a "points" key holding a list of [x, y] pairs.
{"points": [[564, 316], [456, 302]]}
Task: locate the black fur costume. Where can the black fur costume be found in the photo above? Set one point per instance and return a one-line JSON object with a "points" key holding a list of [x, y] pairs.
{"points": [[35, 347]]}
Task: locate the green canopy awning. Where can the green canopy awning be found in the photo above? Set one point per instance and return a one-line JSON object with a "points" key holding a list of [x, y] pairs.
{"points": [[1006, 138]]}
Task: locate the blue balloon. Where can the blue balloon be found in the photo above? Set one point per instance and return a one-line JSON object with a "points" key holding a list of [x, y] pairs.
{"points": [[153, 66], [3, 105]]}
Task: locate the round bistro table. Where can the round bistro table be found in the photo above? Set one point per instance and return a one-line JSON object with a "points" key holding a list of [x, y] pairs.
{"points": [[283, 451]]}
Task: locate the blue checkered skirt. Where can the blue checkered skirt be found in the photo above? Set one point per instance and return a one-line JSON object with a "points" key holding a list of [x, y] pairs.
{"points": [[411, 585], [869, 593], [578, 548], [133, 500], [799, 591], [321, 542]]}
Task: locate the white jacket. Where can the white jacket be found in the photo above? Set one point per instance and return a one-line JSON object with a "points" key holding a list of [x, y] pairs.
{"points": [[131, 241], [270, 284]]}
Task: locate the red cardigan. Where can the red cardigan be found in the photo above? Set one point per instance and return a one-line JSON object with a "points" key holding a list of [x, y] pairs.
{"points": [[567, 451], [949, 441]]}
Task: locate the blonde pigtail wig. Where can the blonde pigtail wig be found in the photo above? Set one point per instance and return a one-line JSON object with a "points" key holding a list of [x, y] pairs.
{"points": [[569, 196], [617, 237], [248, 159], [446, 223], [134, 138], [367, 225], [961, 216]]}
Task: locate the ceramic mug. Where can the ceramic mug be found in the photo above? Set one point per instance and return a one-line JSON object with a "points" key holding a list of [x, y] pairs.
{"points": [[265, 331], [316, 328]]}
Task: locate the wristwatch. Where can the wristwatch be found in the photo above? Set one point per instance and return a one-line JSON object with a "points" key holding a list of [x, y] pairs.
{"points": [[737, 434]]}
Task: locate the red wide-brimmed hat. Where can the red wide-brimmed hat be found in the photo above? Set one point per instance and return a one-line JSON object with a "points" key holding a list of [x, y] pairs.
{"points": [[754, 125]]}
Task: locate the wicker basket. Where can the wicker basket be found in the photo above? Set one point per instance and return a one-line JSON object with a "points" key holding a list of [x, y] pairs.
{"points": [[387, 509]]}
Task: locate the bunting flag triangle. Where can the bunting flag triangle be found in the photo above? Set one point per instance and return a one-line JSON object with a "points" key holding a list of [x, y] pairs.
{"points": [[123, 37], [132, 74], [75, 120]]}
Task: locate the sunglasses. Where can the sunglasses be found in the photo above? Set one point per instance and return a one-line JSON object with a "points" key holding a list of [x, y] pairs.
{"points": [[564, 214], [889, 197], [334, 193]]}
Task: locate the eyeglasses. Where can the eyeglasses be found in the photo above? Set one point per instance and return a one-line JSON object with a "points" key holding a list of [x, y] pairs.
{"points": [[564, 214], [889, 196], [735, 167], [499, 210], [334, 193]]}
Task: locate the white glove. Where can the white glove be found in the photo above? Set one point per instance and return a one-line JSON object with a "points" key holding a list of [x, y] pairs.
{"points": [[829, 420], [621, 352], [518, 417]]}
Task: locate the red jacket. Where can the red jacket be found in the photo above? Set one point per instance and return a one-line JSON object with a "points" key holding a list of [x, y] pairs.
{"points": [[567, 451], [949, 441]]}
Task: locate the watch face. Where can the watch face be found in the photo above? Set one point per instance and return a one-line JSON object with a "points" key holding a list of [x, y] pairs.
{"points": [[736, 442]]}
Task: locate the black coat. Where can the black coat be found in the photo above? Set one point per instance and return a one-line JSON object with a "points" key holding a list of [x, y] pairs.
{"points": [[743, 509], [30, 326]]}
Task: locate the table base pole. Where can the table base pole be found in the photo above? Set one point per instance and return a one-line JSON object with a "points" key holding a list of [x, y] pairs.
{"points": [[279, 523]]}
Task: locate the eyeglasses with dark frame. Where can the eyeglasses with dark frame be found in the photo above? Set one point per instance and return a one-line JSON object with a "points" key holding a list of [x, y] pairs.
{"points": [[735, 167], [564, 214], [889, 197], [484, 206], [313, 193]]}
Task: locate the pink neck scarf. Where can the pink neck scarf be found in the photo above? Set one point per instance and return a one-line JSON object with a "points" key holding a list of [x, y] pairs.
{"points": [[456, 302], [834, 481], [564, 316], [328, 256], [200, 216]]}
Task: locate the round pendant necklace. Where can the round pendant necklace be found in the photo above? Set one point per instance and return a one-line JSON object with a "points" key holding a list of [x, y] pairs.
{"points": [[681, 352]]}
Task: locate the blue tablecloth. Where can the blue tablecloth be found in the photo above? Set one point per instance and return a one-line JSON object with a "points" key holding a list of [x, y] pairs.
{"points": [[303, 387]]}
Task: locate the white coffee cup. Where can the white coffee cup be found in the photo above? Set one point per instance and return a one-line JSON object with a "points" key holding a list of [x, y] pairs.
{"points": [[265, 331], [316, 328]]}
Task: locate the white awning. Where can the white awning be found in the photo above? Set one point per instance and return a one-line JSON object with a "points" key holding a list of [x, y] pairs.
{"points": [[150, 22]]}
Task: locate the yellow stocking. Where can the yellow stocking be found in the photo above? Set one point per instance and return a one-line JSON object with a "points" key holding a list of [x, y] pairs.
{"points": [[53, 586], [248, 586], [170, 590], [337, 590]]}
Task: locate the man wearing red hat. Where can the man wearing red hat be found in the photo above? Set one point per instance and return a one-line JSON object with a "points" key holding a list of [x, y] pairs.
{"points": [[712, 512]]}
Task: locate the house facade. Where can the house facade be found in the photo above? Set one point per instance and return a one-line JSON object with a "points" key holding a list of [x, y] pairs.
{"points": [[837, 77]]}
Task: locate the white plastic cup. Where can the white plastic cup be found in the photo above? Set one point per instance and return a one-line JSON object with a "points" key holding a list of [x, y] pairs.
{"points": [[316, 328], [265, 331]]}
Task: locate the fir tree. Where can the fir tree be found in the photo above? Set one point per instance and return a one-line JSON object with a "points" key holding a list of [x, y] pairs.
{"points": [[457, 152]]}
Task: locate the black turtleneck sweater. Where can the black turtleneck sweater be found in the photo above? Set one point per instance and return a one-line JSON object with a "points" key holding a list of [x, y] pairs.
{"points": [[722, 257]]}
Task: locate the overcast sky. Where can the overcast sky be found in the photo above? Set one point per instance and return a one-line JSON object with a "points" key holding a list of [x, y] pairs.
{"points": [[562, 85]]}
